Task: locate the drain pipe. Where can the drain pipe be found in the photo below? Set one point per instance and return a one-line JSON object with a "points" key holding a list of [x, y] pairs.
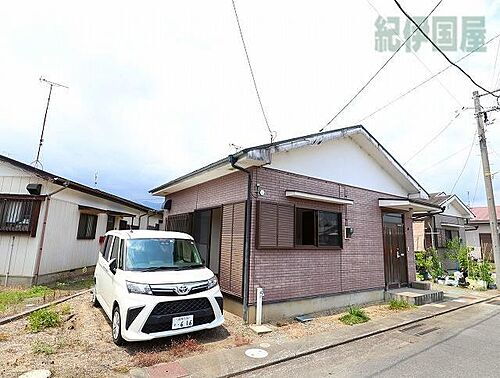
{"points": [[7, 273], [258, 312], [38, 258], [246, 246]]}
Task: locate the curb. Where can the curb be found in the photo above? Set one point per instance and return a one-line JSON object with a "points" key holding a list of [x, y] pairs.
{"points": [[25, 313], [356, 338]]}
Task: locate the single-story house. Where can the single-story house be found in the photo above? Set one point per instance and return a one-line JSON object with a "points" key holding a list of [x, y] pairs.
{"points": [[435, 230], [318, 221], [479, 237], [50, 226]]}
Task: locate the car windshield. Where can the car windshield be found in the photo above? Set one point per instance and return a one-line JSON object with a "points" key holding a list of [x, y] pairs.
{"points": [[161, 254]]}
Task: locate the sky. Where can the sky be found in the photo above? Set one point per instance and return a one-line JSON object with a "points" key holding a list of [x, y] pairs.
{"points": [[159, 88]]}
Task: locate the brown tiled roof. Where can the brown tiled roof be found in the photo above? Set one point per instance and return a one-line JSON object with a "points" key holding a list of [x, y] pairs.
{"points": [[481, 214]]}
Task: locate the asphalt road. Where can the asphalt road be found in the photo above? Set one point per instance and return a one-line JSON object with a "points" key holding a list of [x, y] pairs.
{"points": [[464, 343]]}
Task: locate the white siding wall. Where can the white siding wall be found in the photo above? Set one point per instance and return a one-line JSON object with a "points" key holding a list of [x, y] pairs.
{"points": [[62, 250], [342, 161]]}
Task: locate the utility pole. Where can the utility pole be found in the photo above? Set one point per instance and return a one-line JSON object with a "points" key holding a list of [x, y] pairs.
{"points": [[490, 197], [37, 163]]}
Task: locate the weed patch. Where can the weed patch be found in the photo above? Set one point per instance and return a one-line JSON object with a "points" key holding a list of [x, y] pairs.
{"points": [[3, 337], [241, 340], [400, 305], [355, 315], [40, 347], [10, 297], [43, 318], [65, 309], [147, 359]]}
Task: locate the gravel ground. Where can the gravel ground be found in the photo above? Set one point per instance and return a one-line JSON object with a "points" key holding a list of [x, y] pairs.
{"points": [[82, 345]]}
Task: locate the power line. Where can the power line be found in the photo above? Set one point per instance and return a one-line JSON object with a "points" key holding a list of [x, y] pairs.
{"points": [[271, 133], [477, 182], [466, 162], [435, 136], [434, 165], [495, 66], [378, 71], [440, 51], [400, 38], [396, 99]]}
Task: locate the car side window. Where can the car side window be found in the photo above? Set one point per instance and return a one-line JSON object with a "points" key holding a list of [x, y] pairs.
{"points": [[114, 249], [107, 246]]}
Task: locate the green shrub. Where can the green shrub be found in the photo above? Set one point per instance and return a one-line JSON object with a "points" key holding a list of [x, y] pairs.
{"points": [[428, 262], [355, 315], [43, 318], [484, 270], [39, 347], [399, 304]]}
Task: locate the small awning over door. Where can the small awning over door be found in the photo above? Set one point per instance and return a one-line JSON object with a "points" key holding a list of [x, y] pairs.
{"points": [[405, 204]]}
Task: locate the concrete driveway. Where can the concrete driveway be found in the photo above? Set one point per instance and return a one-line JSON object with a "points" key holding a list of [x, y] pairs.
{"points": [[464, 343]]}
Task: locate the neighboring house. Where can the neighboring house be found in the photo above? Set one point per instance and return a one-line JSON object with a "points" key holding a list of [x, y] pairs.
{"points": [[480, 236], [50, 226], [436, 230], [318, 221]]}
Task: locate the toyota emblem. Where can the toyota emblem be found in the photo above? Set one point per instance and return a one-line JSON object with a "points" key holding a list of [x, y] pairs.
{"points": [[182, 289]]}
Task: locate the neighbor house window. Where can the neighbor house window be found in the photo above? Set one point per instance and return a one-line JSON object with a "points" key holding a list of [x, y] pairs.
{"points": [[19, 215], [110, 224], [318, 228], [87, 226]]}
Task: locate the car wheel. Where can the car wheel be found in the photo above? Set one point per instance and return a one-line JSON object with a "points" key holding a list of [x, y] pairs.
{"points": [[94, 300], [116, 327]]}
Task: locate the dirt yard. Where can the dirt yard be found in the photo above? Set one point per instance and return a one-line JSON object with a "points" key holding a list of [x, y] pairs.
{"points": [[82, 346]]}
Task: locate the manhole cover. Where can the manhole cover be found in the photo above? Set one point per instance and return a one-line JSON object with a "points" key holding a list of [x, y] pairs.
{"points": [[256, 353]]}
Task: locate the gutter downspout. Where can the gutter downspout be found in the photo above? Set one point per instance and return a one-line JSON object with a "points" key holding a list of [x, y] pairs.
{"points": [[248, 226], [38, 257]]}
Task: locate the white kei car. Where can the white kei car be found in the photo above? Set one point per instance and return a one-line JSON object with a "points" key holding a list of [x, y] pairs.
{"points": [[154, 284]]}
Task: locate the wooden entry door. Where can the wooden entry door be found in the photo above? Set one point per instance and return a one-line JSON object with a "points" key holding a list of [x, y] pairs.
{"points": [[395, 259], [486, 244]]}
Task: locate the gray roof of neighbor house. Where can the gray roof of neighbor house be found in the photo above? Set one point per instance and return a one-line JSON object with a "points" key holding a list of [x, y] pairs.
{"points": [[316, 138], [58, 180], [438, 198], [442, 199]]}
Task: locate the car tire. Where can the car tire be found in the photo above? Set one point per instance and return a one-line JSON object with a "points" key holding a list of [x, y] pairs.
{"points": [[94, 300], [116, 327]]}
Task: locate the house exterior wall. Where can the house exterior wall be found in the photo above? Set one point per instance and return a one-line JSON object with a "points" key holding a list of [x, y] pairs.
{"points": [[62, 251], [350, 158], [223, 190], [473, 238], [287, 274], [419, 235]]}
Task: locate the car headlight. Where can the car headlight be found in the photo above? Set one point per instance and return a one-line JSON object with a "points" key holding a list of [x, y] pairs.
{"points": [[212, 282], [138, 288]]}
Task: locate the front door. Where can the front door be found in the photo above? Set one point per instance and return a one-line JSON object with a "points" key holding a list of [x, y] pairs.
{"points": [[395, 261]]}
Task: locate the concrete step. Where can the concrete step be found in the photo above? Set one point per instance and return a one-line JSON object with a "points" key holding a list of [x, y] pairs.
{"points": [[415, 296]]}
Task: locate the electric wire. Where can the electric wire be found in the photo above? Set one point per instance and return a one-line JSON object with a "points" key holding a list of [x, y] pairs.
{"points": [[466, 162], [378, 71], [434, 165], [400, 38], [441, 52], [271, 132], [477, 183], [495, 65], [396, 99], [458, 113]]}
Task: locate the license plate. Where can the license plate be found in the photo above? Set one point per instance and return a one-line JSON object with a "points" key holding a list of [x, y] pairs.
{"points": [[182, 321]]}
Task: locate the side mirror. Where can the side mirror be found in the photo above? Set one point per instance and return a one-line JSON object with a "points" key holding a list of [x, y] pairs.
{"points": [[112, 266]]}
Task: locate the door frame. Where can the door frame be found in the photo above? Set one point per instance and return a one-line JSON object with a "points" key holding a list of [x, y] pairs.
{"points": [[211, 209], [402, 213]]}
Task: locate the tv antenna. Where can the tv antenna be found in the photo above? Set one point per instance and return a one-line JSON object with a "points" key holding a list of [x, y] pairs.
{"points": [[37, 163]]}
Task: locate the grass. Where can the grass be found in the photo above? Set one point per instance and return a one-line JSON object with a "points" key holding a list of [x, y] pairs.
{"points": [[42, 319], [11, 297], [355, 315], [399, 305], [40, 347]]}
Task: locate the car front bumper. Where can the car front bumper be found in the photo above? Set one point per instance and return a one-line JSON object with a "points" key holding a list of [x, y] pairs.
{"points": [[146, 317]]}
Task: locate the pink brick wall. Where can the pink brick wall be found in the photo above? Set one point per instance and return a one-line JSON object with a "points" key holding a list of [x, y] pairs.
{"points": [[227, 189], [296, 273]]}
